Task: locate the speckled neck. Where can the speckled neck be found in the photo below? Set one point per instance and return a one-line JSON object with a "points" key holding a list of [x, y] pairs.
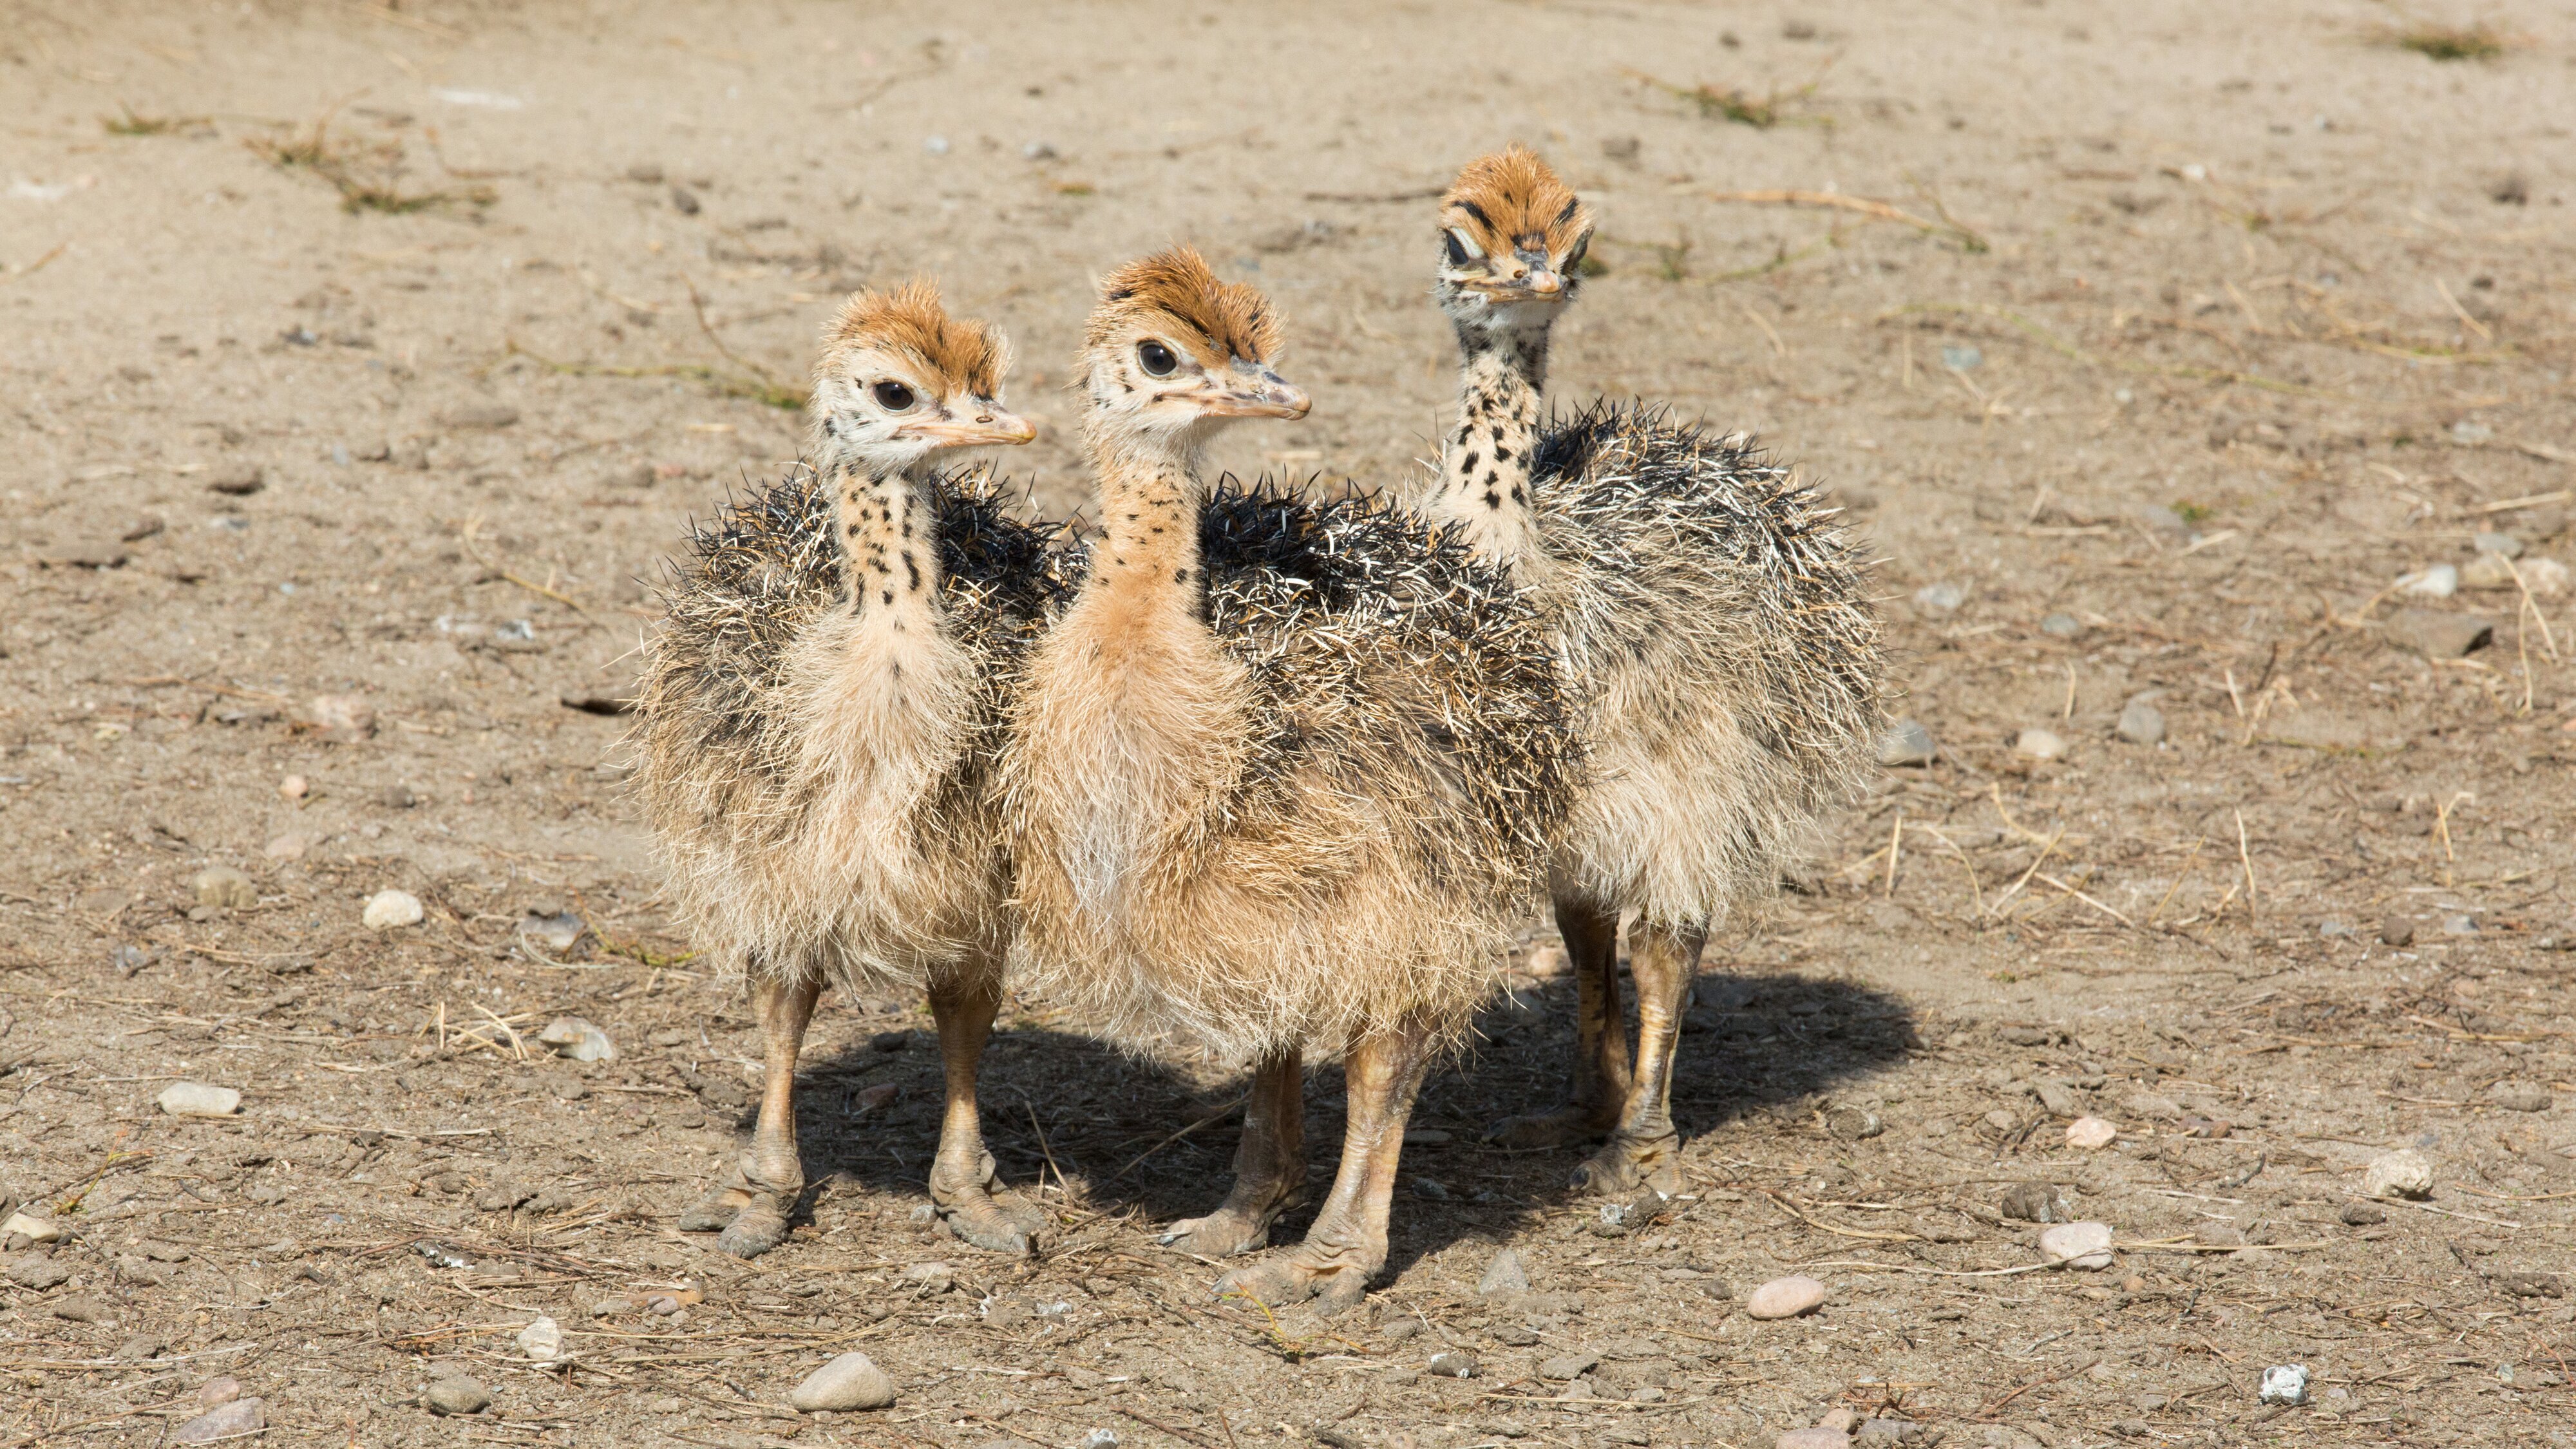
{"points": [[1150, 497], [890, 537], [1485, 460]]}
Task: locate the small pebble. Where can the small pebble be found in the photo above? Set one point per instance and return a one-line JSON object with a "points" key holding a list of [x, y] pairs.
{"points": [[2437, 635], [221, 1389], [1885, 1433], [2060, 1099], [1452, 1365], [2397, 931], [1785, 1298], [935, 145], [346, 715], [284, 848], [572, 1037], [2061, 626], [542, 1341], [1818, 1438], [456, 1395], [397, 797], [2040, 744], [2033, 1202], [1100, 1439], [294, 787], [1566, 1367], [2287, 1384], [1907, 743], [2403, 1173], [2504, 544], [2438, 582], [30, 1227], [2141, 723], [223, 887], [2488, 571], [2362, 1215], [556, 932], [930, 1277], [1402, 1327], [852, 1381], [2085, 1246], [1853, 1124], [2090, 1134], [231, 1420], [1503, 1275], [2520, 1096], [390, 910], [196, 1099], [1940, 598]]}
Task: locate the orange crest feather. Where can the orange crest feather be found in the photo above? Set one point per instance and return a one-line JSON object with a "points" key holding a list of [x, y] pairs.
{"points": [[1214, 319], [1511, 200], [910, 323]]}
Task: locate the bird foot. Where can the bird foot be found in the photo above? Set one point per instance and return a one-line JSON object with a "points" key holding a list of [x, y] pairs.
{"points": [[996, 1225], [1629, 1161], [1567, 1125], [1231, 1229], [749, 1215], [759, 1227], [1335, 1276]]}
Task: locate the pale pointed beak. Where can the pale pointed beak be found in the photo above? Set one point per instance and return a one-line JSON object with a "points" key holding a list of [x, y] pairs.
{"points": [[1539, 284], [1256, 392], [981, 425]]}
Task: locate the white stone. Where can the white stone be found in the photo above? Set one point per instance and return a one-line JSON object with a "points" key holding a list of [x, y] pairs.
{"points": [[852, 1381], [2547, 578], [542, 1341], [2141, 723], [570, 1036], [196, 1099], [31, 1227], [2403, 1173], [2040, 744], [2287, 1384], [229, 1421], [2086, 1246], [2090, 1134], [1785, 1298], [2438, 582], [387, 910], [1504, 1275]]}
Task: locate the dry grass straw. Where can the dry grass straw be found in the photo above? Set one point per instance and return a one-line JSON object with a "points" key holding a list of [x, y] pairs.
{"points": [[2437, 41], [367, 176], [130, 122], [1729, 103], [749, 380]]}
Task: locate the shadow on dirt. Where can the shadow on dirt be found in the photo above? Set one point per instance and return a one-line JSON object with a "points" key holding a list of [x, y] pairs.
{"points": [[1140, 1136]]}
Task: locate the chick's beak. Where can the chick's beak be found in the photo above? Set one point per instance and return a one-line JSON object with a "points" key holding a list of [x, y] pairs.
{"points": [[1252, 391], [975, 424]]}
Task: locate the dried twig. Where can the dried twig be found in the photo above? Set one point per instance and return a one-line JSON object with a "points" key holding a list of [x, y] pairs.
{"points": [[1967, 238]]}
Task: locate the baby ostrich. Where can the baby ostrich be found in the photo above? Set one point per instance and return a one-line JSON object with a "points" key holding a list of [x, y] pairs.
{"points": [[1281, 776], [819, 717], [1720, 657]]}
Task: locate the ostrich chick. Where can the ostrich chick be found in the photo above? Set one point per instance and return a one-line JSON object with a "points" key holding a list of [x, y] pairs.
{"points": [[1719, 653], [1281, 776], [819, 716]]}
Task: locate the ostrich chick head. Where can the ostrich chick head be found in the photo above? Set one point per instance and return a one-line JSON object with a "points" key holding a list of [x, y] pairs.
{"points": [[1171, 351], [900, 379], [1512, 238]]}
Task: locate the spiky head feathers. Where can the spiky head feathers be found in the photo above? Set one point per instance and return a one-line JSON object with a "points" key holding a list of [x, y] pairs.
{"points": [[1512, 234], [899, 377], [1171, 347]]}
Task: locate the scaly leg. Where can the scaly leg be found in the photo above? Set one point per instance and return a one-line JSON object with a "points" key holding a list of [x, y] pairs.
{"points": [[1269, 1167], [1645, 1151], [1591, 932], [750, 1202], [962, 1179], [1347, 1244]]}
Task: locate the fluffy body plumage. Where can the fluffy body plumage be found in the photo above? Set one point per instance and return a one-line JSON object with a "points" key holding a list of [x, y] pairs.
{"points": [[818, 810], [1361, 754]]}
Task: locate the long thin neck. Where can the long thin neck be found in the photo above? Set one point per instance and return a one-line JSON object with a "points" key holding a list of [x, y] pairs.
{"points": [[1150, 497], [890, 537], [1485, 461]]}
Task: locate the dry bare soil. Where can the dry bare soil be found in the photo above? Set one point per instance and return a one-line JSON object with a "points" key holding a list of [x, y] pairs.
{"points": [[359, 360]]}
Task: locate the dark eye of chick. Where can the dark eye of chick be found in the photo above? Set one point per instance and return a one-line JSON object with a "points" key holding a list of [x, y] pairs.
{"points": [[894, 397], [1156, 359], [1457, 248]]}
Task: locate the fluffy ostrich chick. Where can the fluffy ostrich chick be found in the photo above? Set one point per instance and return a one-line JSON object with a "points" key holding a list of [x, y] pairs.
{"points": [[1718, 649], [820, 716], [1280, 778]]}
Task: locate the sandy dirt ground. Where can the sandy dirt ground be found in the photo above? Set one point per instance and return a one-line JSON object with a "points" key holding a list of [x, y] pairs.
{"points": [[360, 360]]}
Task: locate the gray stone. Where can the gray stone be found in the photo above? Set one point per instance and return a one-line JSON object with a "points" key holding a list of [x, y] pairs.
{"points": [[2061, 626], [455, 1395], [221, 1389], [223, 887], [39, 1270], [2520, 1096], [1880, 1433], [1818, 1438], [1853, 1124], [1401, 1327], [1568, 1366], [1452, 1365], [2033, 1202], [196, 1099], [2141, 723], [1940, 598], [2397, 931], [2437, 635], [143, 1346], [2286, 1384], [1907, 743], [2497, 543], [570, 1036], [2362, 1214], [84, 1309], [241, 1416], [1503, 1275], [2059, 1098], [852, 1381], [556, 932], [238, 480], [479, 415]]}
